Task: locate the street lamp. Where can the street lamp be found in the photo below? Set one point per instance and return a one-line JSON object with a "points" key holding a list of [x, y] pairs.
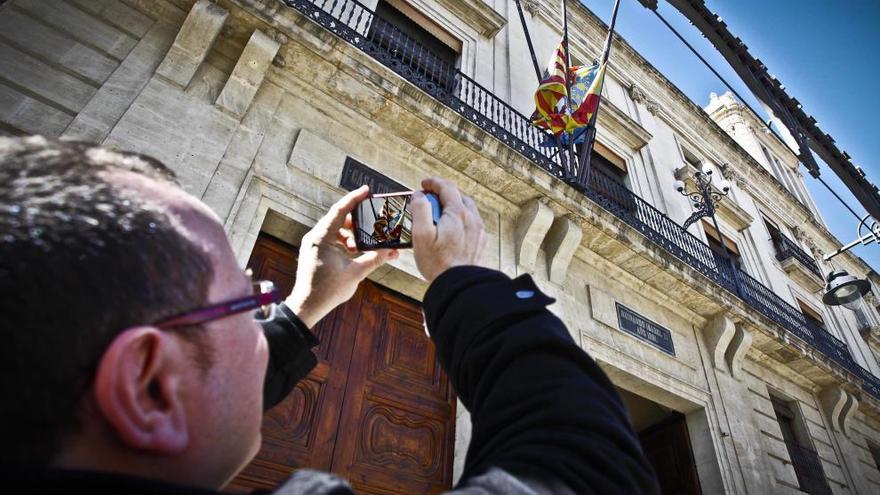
{"points": [[843, 289], [704, 200]]}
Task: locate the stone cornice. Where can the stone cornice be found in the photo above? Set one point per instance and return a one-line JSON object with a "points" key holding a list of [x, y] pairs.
{"points": [[621, 125]]}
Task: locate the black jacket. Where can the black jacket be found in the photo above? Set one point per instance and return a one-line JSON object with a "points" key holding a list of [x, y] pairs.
{"points": [[545, 417]]}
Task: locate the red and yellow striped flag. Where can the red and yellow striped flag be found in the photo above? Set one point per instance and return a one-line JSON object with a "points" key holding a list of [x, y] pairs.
{"points": [[551, 98], [553, 106]]}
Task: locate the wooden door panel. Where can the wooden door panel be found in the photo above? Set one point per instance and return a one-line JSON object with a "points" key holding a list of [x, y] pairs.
{"points": [[405, 356], [300, 431], [399, 411], [377, 409], [667, 447]]}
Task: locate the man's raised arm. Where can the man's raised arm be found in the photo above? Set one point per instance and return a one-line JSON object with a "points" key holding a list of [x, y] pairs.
{"points": [[546, 419]]}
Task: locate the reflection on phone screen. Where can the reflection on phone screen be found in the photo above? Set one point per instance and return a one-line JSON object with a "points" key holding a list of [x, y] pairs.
{"points": [[384, 221]]}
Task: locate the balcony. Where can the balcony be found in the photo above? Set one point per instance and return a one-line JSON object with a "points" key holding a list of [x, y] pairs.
{"points": [[358, 25], [799, 265]]}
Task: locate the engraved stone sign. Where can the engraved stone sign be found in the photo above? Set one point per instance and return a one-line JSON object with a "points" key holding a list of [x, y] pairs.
{"points": [[355, 174], [644, 329]]}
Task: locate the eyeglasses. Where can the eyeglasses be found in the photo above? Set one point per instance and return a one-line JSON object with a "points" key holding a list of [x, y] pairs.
{"points": [[263, 300]]}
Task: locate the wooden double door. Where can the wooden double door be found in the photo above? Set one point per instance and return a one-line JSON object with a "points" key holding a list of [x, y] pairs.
{"points": [[377, 410], [668, 447]]}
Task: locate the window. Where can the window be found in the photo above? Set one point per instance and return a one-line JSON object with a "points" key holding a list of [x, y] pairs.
{"points": [[812, 315], [804, 460], [608, 174], [416, 40], [771, 164], [609, 162], [691, 158], [875, 454], [714, 239], [775, 234]]}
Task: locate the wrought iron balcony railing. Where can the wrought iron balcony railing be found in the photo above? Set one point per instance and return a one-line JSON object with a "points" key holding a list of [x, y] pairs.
{"points": [[359, 26], [786, 248], [808, 468]]}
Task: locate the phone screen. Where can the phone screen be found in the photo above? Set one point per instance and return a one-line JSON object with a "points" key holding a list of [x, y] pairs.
{"points": [[383, 221]]}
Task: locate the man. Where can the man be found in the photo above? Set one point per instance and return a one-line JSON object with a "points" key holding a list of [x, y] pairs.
{"points": [[132, 362]]}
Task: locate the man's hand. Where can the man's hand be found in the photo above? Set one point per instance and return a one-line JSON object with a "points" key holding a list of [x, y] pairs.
{"points": [[457, 239], [328, 272]]}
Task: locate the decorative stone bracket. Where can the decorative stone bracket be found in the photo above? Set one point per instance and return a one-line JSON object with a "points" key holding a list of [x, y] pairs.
{"points": [[562, 240], [532, 225], [192, 44], [561, 237], [195, 38], [248, 74], [727, 344], [839, 406]]}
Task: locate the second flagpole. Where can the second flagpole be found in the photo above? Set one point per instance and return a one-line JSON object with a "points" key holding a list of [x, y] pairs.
{"points": [[584, 158]]}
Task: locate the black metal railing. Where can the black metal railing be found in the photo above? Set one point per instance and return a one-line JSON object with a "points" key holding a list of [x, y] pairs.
{"points": [[786, 248], [808, 469], [358, 25]]}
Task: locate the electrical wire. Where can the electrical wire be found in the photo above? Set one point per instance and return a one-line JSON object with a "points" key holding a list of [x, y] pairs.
{"points": [[744, 102], [838, 198]]}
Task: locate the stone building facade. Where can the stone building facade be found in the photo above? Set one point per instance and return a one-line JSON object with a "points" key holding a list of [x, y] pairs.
{"points": [[738, 382]]}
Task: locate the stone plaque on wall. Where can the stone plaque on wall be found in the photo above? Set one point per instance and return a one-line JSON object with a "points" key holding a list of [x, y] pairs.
{"points": [[644, 329], [355, 174]]}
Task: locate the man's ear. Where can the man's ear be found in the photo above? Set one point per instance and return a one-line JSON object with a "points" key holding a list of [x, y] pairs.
{"points": [[139, 390]]}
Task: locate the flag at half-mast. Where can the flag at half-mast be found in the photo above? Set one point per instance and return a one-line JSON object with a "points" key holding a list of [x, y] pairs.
{"points": [[551, 98], [563, 115]]}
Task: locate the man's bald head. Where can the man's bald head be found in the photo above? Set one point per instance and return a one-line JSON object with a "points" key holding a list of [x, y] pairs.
{"points": [[92, 241]]}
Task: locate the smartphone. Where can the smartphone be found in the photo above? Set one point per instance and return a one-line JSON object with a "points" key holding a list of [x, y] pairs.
{"points": [[385, 220]]}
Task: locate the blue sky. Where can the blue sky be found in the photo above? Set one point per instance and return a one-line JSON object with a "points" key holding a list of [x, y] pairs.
{"points": [[825, 52]]}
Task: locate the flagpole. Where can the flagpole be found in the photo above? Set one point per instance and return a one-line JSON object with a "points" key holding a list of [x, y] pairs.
{"points": [[571, 150], [584, 159], [522, 19]]}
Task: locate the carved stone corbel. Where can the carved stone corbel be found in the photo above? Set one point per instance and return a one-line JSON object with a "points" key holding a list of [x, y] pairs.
{"points": [[639, 96], [727, 343], [531, 6], [532, 225], [563, 239], [839, 406], [718, 333], [736, 352]]}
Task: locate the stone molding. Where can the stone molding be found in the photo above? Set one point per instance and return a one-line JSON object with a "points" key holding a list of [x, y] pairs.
{"points": [[476, 14], [534, 221], [639, 96], [545, 9], [617, 122]]}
